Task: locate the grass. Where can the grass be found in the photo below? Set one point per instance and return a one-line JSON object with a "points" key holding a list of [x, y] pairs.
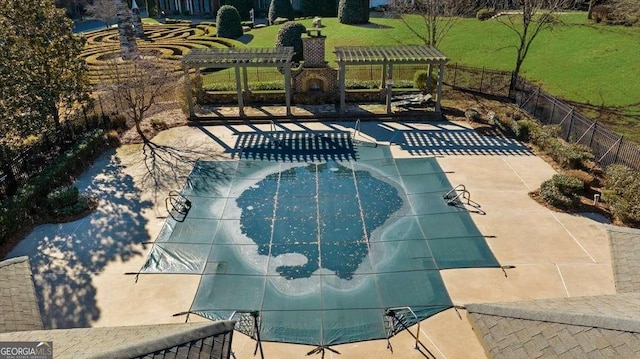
{"points": [[582, 61], [149, 20]]}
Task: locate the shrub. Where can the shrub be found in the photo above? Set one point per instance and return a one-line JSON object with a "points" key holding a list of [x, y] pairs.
{"points": [[158, 124], [524, 129], [485, 14], [66, 201], [119, 122], [622, 192], [619, 178], [473, 115], [290, 34], [353, 12], [567, 185], [587, 178], [113, 138], [571, 155], [63, 197], [280, 8], [228, 22], [243, 7], [325, 8], [601, 12], [561, 191], [504, 125], [421, 80], [552, 195], [17, 212]]}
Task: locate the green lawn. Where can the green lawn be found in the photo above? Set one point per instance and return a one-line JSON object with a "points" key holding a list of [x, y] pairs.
{"points": [[581, 61]]}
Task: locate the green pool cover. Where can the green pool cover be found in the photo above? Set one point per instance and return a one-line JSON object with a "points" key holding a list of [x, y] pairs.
{"points": [[319, 250]]}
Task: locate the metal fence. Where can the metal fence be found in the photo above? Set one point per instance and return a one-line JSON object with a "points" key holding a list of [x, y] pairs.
{"points": [[490, 82], [608, 147]]}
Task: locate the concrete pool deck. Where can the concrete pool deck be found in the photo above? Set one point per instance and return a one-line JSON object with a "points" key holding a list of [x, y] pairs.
{"points": [[79, 267]]}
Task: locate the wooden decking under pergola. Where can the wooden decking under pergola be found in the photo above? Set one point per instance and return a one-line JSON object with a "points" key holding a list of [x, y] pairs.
{"points": [[237, 59], [388, 56]]}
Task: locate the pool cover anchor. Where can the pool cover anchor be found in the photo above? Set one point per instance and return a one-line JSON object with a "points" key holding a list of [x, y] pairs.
{"points": [[250, 326], [504, 270], [321, 350]]}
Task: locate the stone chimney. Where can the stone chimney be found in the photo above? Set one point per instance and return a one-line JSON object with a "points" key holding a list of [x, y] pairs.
{"points": [[313, 48]]}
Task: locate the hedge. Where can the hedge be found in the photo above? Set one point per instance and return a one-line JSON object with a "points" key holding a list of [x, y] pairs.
{"points": [[353, 12], [622, 192], [290, 34], [228, 22], [20, 210], [243, 7], [280, 8]]}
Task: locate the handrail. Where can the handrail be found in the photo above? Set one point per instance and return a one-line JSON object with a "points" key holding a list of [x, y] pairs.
{"points": [[181, 205], [460, 191], [356, 128]]}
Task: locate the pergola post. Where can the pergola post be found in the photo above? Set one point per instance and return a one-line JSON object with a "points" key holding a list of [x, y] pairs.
{"points": [[287, 87], [389, 85], [383, 82], [439, 91], [187, 88], [245, 78], [239, 87], [342, 87]]}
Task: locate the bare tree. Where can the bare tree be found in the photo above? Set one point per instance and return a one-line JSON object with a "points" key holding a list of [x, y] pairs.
{"points": [[534, 17], [138, 85], [437, 17], [592, 3], [104, 10]]}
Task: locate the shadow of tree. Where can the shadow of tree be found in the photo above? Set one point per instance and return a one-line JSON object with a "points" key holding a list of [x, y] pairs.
{"points": [[64, 257]]}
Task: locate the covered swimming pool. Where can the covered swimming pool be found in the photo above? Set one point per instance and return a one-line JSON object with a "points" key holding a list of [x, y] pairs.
{"points": [[319, 250]]}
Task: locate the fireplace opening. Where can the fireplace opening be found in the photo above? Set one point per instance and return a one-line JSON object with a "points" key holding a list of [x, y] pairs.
{"points": [[315, 84]]}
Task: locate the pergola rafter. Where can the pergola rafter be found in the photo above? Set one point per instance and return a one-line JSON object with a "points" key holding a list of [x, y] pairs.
{"points": [[239, 59], [387, 56]]}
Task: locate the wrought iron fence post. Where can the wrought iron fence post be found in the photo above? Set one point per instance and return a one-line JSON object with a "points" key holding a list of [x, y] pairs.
{"points": [[481, 79], [535, 105], [615, 158], [570, 125], [593, 133], [553, 110]]}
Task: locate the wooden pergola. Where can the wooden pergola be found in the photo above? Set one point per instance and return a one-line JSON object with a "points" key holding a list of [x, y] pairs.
{"points": [[239, 59], [388, 56]]}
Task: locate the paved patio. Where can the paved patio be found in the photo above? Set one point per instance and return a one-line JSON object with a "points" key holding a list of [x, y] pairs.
{"points": [[80, 267]]}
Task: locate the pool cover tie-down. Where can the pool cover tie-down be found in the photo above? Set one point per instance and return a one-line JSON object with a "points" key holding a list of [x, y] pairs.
{"points": [[320, 250]]}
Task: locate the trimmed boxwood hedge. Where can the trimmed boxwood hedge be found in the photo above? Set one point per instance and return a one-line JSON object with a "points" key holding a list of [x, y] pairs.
{"points": [[228, 22], [243, 7], [290, 34], [353, 12], [280, 8], [561, 191]]}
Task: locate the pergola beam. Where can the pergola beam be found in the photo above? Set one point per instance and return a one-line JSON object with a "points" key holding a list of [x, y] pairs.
{"points": [[239, 59], [388, 56]]}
